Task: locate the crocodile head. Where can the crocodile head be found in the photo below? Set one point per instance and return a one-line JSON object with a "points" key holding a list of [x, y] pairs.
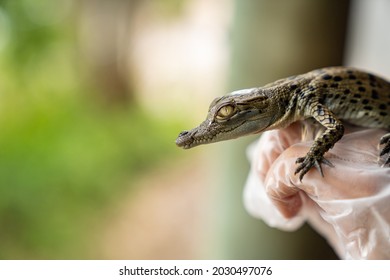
{"points": [[234, 115]]}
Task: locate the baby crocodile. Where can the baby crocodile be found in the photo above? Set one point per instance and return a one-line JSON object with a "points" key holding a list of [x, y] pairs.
{"points": [[326, 95]]}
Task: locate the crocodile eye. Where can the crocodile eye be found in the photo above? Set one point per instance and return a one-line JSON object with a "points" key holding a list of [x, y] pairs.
{"points": [[225, 112]]}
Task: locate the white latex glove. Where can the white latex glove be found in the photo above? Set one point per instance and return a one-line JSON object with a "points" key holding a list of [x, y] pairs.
{"points": [[349, 206]]}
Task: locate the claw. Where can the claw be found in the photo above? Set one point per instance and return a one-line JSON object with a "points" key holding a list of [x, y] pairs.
{"points": [[318, 167], [387, 161], [385, 138], [307, 162], [385, 150], [327, 162]]}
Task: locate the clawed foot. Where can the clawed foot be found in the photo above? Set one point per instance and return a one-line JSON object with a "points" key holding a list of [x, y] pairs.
{"points": [[307, 162], [385, 141]]}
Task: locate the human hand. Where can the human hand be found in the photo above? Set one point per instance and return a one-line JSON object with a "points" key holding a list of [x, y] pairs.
{"points": [[349, 206]]}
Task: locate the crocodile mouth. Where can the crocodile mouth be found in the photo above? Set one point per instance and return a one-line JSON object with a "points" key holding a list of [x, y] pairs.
{"points": [[187, 139], [190, 139]]}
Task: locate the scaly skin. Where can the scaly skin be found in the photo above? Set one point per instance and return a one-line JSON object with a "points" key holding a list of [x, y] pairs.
{"points": [[327, 95]]}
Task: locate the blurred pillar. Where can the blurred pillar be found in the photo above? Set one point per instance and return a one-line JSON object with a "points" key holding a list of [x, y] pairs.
{"points": [[104, 36], [272, 40], [369, 37]]}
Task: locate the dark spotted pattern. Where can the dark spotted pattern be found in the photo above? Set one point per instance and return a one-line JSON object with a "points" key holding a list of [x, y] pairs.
{"points": [[346, 94]]}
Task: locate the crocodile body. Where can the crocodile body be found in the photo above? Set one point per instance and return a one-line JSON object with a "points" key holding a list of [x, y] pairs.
{"points": [[328, 95]]}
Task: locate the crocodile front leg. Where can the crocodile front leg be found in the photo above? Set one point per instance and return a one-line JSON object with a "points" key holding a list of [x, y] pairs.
{"points": [[333, 132]]}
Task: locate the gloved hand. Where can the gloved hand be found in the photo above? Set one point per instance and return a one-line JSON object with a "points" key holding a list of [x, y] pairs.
{"points": [[349, 206]]}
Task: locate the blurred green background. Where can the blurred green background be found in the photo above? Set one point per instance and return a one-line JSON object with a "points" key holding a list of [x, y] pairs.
{"points": [[92, 96], [70, 143]]}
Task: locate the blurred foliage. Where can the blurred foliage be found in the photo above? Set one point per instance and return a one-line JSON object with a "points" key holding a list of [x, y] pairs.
{"points": [[63, 156]]}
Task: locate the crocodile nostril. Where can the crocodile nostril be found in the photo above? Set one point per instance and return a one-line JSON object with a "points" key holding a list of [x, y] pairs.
{"points": [[183, 133]]}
